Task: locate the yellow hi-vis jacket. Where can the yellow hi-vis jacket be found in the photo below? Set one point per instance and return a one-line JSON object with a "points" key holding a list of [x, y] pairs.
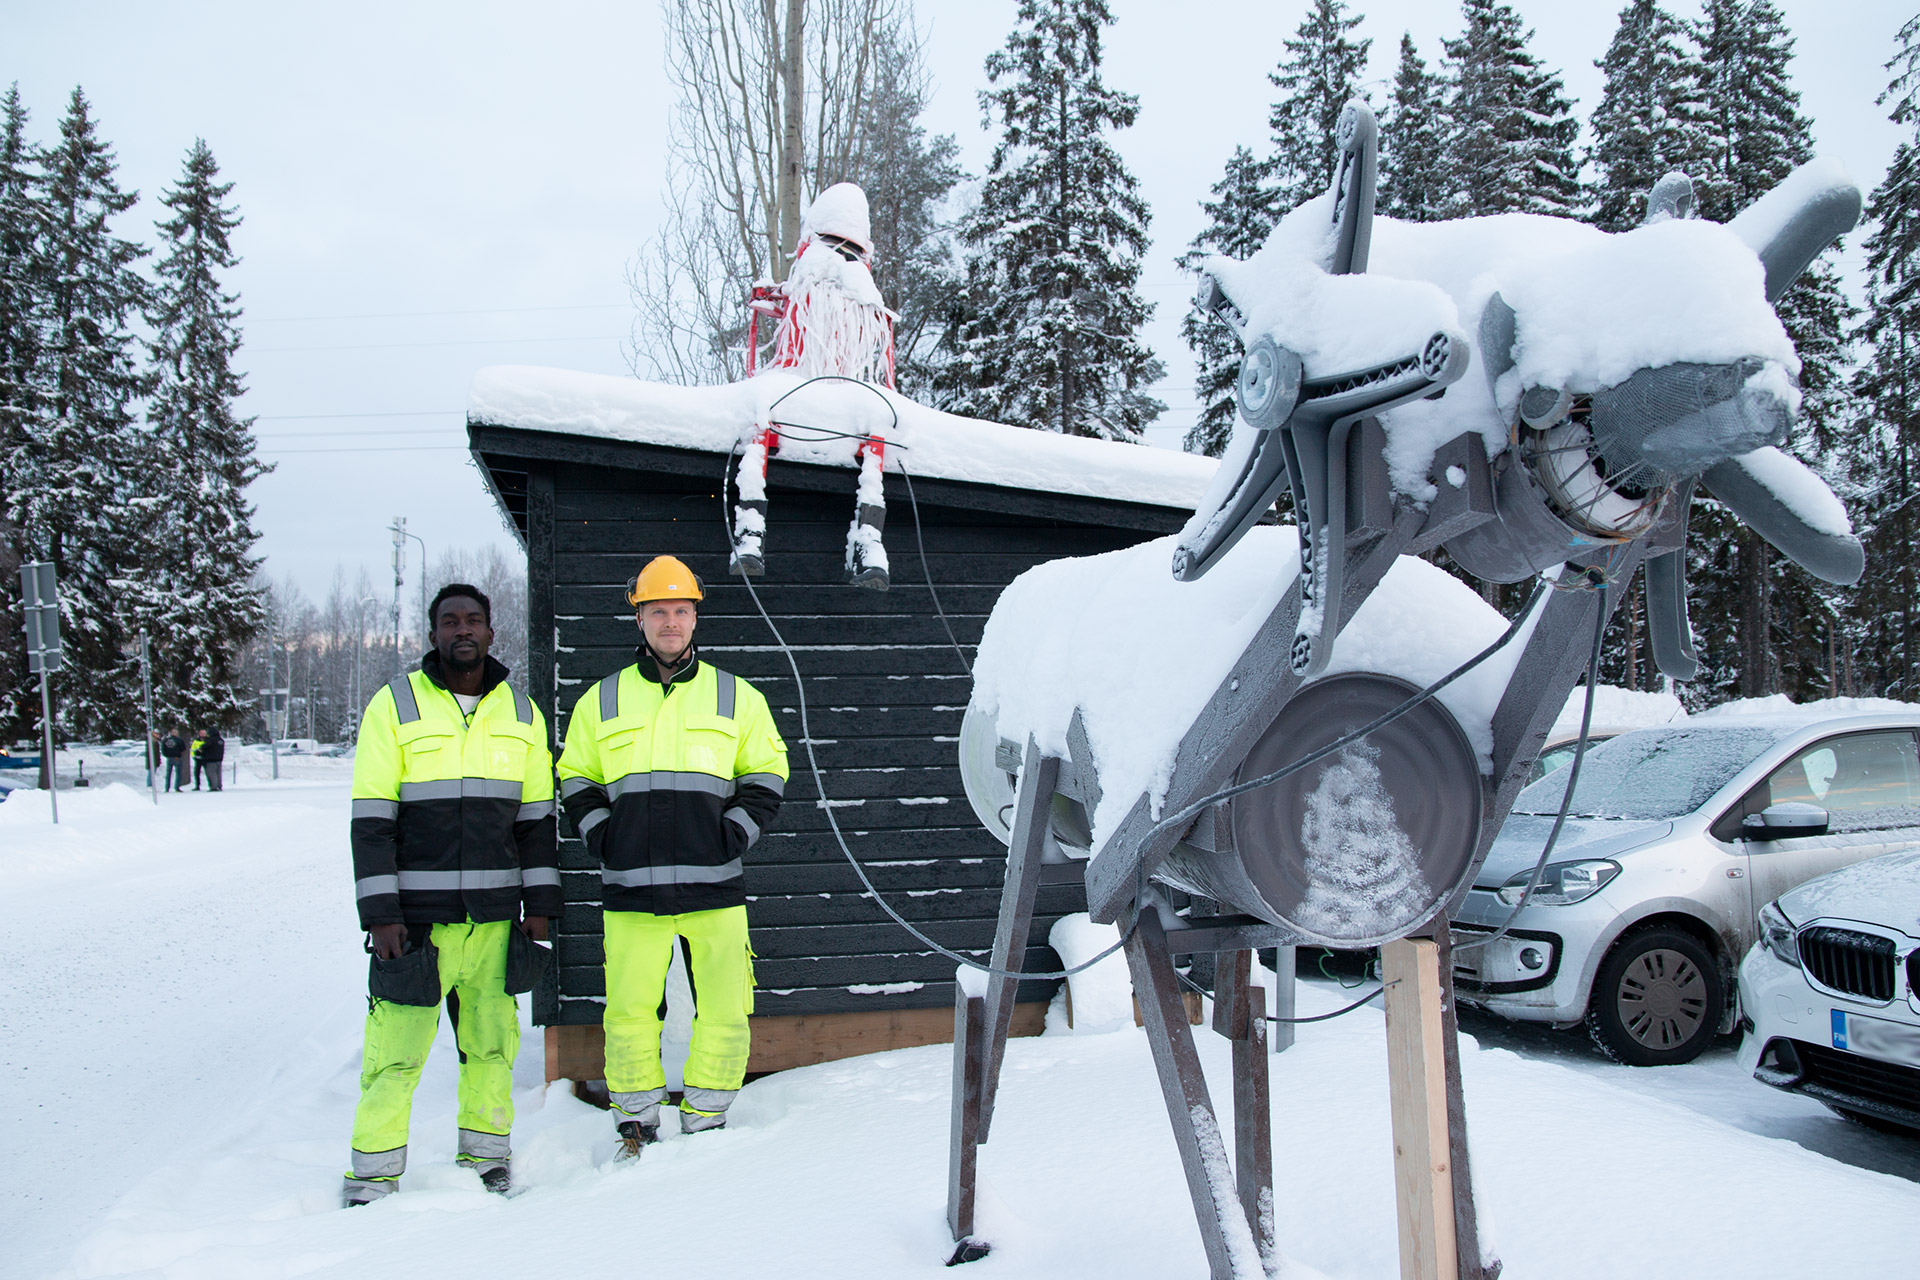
{"points": [[453, 816], [671, 785]]}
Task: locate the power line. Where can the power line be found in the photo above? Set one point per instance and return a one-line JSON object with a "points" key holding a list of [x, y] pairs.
{"points": [[309, 417], [476, 311], [371, 431], [456, 342], [398, 448]]}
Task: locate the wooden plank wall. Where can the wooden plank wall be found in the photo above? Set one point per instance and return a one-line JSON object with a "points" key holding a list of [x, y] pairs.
{"points": [[885, 690]]}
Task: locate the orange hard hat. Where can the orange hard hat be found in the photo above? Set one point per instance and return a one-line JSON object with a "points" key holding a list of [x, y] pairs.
{"points": [[664, 578]]}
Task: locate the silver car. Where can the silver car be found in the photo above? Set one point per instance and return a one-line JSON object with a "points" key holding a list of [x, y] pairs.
{"points": [[1676, 837]]}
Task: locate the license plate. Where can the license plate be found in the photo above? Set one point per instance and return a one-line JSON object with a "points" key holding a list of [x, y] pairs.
{"points": [[1877, 1038]]}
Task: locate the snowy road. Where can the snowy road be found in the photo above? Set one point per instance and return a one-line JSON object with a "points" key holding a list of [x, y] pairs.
{"points": [[180, 1046]]}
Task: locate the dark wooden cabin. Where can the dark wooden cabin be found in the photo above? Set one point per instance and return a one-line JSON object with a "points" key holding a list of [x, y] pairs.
{"points": [[885, 688]]}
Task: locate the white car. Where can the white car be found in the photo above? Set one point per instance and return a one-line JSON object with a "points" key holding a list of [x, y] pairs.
{"points": [[1676, 837], [1831, 992]]}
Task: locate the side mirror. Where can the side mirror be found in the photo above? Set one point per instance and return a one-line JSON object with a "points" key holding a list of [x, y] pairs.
{"points": [[1785, 822]]}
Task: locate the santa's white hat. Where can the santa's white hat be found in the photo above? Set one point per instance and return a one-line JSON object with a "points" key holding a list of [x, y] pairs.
{"points": [[840, 210]]}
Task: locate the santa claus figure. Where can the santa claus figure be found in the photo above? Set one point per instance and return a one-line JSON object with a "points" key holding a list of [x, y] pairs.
{"points": [[831, 322]]}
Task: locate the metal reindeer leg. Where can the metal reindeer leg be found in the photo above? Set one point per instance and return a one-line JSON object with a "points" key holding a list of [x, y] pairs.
{"points": [[1230, 1244]]}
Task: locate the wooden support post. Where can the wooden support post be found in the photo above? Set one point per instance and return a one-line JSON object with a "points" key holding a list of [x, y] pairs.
{"points": [[1417, 1087], [969, 1072], [1466, 1218], [1229, 1243], [1032, 810]]}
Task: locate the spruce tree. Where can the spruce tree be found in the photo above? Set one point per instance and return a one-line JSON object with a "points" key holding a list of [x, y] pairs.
{"points": [[22, 283], [1511, 126], [908, 177], [1651, 117], [1779, 622], [1888, 384], [195, 595], [1239, 217], [1048, 332], [1413, 167], [1318, 77], [73, 496]]}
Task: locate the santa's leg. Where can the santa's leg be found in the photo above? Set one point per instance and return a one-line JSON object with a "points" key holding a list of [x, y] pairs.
{"points": [[866, 553], [750, 510]]}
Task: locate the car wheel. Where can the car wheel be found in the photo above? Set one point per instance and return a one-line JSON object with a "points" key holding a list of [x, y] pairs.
{"points": [[1657, 999]]}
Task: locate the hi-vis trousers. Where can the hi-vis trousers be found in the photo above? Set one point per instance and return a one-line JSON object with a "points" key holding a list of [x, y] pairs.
{"points": [[473, 964], [639, 949]]}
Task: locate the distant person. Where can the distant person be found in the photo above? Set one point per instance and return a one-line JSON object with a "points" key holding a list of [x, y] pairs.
{"points": [[213, 755], [453, 834], [199, 762], [671, 771], [173, 749]]}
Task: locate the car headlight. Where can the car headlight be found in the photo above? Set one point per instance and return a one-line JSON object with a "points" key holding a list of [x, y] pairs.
{"points": [[1778, 935], [1562, 883]]}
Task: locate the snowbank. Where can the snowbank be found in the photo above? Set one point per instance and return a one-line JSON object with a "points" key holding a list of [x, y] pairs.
{"points": [[926, 442], [1139, 653], [1615, 709]]}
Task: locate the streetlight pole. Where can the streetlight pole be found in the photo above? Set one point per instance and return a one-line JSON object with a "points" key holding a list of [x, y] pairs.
{"points": [[399, 529], [273, 696]]}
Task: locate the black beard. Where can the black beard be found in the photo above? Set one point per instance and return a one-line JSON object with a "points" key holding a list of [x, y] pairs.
{"points": [[454, 664]]}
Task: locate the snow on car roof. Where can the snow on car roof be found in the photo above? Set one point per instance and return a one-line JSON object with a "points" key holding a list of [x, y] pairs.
{"points": [[819, 416]]}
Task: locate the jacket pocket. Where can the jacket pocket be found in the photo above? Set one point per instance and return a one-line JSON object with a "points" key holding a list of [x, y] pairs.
{"points": [[710, 744]]}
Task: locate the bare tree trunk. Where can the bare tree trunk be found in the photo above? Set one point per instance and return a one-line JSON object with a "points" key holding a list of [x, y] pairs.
{"points": [[793, 85], [1756, 622]]}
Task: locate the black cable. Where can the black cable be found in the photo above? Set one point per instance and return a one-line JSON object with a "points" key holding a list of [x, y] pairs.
{"points": [[833, 823], [1318, 1017], [1573, 779], [1191, 811]]}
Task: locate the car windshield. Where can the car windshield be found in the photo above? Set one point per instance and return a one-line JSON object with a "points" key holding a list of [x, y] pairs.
{"points": [[1650, 775]]}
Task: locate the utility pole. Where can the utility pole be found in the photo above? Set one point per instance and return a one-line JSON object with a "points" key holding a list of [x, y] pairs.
{"points": [[40, 619]]}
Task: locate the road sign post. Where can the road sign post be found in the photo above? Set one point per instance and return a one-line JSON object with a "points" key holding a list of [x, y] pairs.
{"points": [[40, 619]]}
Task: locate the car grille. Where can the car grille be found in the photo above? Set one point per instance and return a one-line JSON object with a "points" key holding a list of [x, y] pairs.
{"points": [[1869, 1079], [1859, 964]]}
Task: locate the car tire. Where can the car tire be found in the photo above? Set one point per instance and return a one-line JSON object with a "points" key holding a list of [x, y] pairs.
{"points": [[1657, 999]]}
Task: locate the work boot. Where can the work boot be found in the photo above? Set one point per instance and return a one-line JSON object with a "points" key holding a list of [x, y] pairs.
{"points": [[359, 1191], [633, 1136], [497, 1180]]}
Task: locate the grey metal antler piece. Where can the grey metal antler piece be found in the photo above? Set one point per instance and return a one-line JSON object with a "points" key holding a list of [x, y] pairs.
{"points": [[1305, 419]]}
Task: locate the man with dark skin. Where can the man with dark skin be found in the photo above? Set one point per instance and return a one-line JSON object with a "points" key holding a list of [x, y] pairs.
{"points": [[462, 635], [453, 848]]}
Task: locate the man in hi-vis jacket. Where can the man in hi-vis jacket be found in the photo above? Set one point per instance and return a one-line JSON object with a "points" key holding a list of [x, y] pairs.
{"points": [[671, 771], [453, 833]]}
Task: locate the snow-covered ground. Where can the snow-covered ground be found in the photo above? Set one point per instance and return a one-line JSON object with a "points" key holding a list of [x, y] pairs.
{"points": [[181, 1046]]}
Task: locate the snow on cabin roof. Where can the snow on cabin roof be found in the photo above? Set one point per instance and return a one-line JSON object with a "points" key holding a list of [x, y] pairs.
{"points": [[931, 444]]}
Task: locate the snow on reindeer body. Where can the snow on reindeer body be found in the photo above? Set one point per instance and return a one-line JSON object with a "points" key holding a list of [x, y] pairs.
{"points": [[832, 323], [1616, 372]]}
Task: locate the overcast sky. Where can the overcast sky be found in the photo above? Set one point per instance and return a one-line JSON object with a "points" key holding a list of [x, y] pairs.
{"points": [[431, 188]]}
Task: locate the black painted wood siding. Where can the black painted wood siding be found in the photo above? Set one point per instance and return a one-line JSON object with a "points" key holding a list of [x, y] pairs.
{"points": [[885, 692]]}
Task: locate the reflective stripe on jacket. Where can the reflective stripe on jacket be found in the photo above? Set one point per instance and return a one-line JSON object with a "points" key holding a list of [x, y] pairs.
{"points": [[671, 785], [453, 819]]}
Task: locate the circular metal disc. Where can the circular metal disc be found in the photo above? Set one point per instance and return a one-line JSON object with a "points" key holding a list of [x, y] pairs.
{"points": [[989, 788], [1367, 844]]}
